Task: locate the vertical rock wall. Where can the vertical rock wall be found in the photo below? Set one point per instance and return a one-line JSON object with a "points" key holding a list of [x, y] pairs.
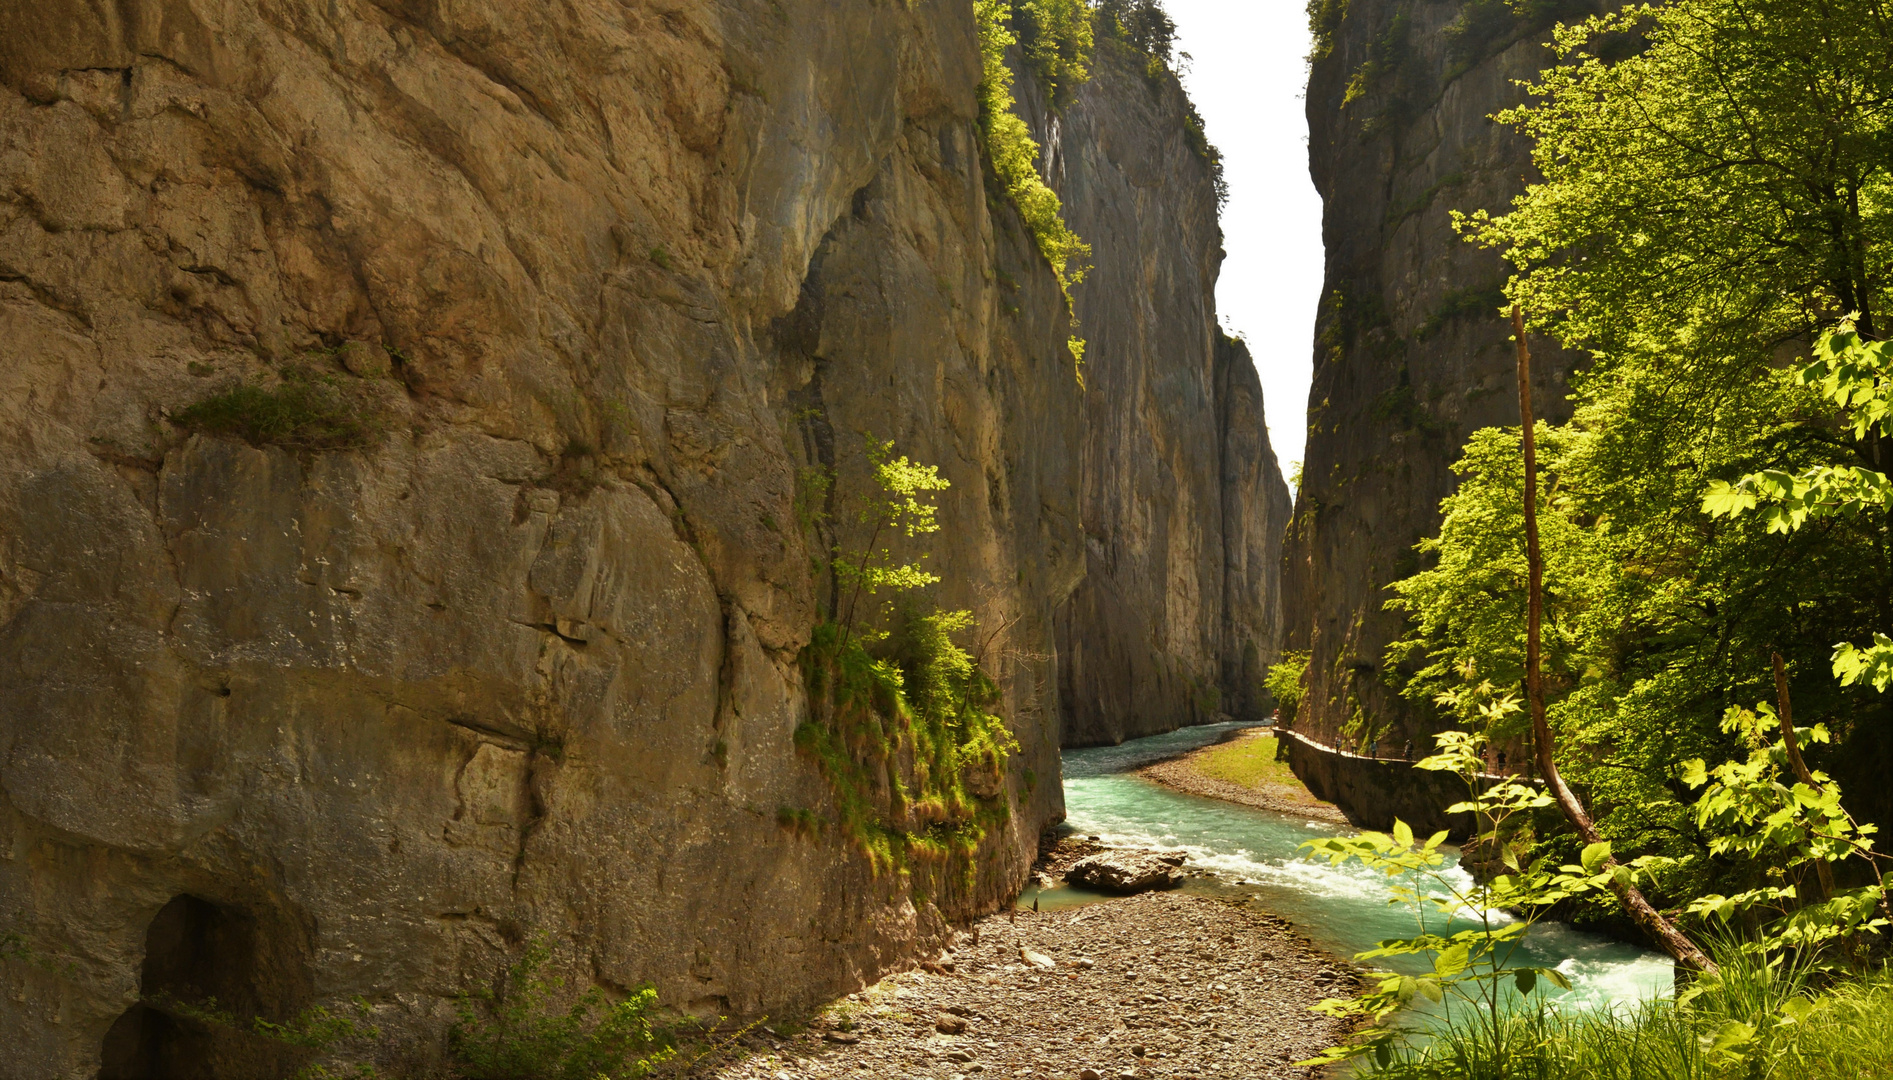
{"points": [[1184, 504], [1411, 353], [293, 724]]}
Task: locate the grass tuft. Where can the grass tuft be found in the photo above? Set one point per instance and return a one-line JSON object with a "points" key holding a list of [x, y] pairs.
{"points": [[516, 1031], [903, 730], [1783, 1021], [303, 412]]}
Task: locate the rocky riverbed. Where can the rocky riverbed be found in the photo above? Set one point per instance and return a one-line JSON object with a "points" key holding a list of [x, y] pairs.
{"points": [[1164, 984]]}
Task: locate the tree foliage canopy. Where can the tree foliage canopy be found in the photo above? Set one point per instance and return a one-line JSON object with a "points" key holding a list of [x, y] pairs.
{"points": [[1715, 194]]}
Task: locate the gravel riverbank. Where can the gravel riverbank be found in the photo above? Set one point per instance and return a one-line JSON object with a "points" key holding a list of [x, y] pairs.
{"points": [[1159, 985], [1268, 789]]}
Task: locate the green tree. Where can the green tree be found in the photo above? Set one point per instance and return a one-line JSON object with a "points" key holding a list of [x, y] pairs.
{"points": [[1056, 36], [1715, 186], [898, 504], [1142, 24], [1284, 684], [1716, 192]]}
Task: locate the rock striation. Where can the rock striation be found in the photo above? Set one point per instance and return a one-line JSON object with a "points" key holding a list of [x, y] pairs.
{"points": [[501, 641], [1184, 505], [1411, 353]]}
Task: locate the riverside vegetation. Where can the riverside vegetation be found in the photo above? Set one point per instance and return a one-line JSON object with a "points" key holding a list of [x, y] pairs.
{"points": [[1707, 556]]}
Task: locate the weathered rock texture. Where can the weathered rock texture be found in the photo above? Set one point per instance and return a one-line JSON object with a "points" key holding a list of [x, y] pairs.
{"points": [[1411, 355], [1184, 504], [1127, 871], [527, 662], [290, 726], [1377, 792]]}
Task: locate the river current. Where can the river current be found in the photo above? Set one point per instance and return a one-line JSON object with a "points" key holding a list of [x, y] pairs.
{"points": [[1257, 853]]}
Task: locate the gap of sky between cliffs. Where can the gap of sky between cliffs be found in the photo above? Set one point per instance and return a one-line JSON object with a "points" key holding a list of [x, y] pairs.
{"points": [[1248, 70]]}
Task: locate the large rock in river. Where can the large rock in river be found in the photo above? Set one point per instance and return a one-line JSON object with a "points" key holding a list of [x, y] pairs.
{"points": [[1127, 872]]}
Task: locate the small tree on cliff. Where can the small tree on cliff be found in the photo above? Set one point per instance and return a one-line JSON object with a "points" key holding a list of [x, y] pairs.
{"points": [[901, 716]]}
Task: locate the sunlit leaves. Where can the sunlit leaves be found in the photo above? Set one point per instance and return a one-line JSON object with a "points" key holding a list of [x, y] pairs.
{"points": [[1468, 966], [1467, 649], [1851, 373], [1873, 664], [898, 504], [1787, 501], [1595, 855], [1749, 810]]}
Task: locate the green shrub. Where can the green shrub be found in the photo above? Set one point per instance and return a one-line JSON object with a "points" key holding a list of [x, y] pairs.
{"points": [[514, 1032], [909, 695], [1284, 680], [302, 412], [315, 1033], [1387, 57], [1324, 22], [900, 718], [798, 820], [1142, 24], [1056, 37], [1014, 154], [1198, 138]]}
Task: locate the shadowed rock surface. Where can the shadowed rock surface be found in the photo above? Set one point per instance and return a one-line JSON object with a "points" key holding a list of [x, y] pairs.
{"points": [[1411, 353]]}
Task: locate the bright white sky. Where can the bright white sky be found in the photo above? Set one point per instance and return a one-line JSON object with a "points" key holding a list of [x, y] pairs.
{"points": [[1247, 72]]}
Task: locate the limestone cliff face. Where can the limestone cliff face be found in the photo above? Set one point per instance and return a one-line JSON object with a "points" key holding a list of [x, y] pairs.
{"points": [[1411, 355], [1184, 504], [293, 725]]}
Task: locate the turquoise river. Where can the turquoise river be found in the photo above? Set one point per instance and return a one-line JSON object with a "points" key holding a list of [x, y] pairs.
{"points": [[1257, 853]]}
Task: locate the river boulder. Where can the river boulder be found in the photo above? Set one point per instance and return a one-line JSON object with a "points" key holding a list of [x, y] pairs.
{"points": [[1127, 872]]}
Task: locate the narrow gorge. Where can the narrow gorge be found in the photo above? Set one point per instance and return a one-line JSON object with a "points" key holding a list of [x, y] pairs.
{"points": [[428, 431], [1410, 356]]}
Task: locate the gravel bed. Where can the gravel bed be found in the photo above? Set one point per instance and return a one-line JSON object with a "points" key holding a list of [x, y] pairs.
{"points": [[1159, 985]]}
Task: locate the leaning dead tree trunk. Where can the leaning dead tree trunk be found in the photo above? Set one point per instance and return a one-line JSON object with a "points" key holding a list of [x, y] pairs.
{"points": [[1652, 921]]}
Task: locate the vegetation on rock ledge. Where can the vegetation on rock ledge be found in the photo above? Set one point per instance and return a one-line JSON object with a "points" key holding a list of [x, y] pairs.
{"points": [[305, 410], [901, 718], [1014, 153]]}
